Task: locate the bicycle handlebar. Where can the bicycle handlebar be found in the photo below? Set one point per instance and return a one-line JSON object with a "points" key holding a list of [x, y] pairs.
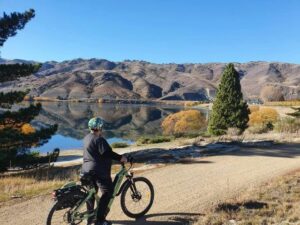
{"points": [[130, 160]]}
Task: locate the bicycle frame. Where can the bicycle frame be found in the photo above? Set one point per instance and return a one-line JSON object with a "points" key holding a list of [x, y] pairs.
{"points": [[76, 215]]}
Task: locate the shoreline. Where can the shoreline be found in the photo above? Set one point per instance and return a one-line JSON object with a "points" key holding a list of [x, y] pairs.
{"points": [[119, 101], [74, 156]]}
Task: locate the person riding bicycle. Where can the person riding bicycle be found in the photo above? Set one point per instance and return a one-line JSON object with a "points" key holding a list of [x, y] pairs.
{"points": [[97, 159]]}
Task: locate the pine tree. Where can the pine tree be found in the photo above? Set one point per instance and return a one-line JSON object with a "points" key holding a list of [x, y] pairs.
{"points": [[229, 108], [17, 136]]}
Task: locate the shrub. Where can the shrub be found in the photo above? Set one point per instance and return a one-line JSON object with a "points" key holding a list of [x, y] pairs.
{"points": [[188, 135], [184, 122], [253, 108], [153, 140], [258, 129], [119, 145], [193, 103], [263, 116], [27, 129], [287, 125], [233, 131]]}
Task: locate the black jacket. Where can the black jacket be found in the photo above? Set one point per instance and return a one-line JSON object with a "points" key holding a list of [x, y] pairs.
{"points": [[98, 156]]}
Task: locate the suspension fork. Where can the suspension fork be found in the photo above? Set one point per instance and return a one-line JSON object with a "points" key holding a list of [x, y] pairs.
{"points": [[132, 184]]}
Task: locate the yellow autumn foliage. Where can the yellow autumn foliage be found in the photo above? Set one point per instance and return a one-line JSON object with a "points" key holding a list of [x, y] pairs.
{"points": [[263, 116], [183, 122], [253, 108], [27, 129]]}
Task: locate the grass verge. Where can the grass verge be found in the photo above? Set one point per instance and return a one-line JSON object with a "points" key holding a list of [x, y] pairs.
{"points": [[284, 103], [119, 145], [30, 183], [274, 203], [153, 140], [23, 187]]}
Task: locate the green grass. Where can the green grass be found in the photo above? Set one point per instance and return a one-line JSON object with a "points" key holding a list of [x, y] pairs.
{"points": [[188, 135], [119, 145], [153, 140]]}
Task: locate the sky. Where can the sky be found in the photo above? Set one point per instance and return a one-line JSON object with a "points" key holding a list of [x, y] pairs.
{"points": [[158, 31]]}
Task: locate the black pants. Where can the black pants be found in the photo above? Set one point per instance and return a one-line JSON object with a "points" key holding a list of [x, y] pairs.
{"points": [[106, 187]]}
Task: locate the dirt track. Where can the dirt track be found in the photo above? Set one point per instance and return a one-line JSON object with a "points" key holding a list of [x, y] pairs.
{"points": [[185, 190]]}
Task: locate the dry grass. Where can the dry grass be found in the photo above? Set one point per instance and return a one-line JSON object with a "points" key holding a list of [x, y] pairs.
{"points": [[20, 187], [284, 103], [35, 182], [274, 203], [288, 125]]}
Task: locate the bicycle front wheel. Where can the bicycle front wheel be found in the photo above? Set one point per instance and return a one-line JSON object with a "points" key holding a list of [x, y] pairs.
{"points": [[137, 197]]}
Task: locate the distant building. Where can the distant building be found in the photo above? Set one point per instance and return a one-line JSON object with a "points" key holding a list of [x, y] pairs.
{"points": [[255, 101]]}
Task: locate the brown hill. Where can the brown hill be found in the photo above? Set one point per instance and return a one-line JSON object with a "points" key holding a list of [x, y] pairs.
{"points": [[97, 78]]}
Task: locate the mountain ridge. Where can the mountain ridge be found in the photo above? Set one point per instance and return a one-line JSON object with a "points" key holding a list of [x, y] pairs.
{"points": [[134, 79]]}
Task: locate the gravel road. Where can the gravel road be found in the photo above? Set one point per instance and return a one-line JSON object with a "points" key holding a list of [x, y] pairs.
{"points": [[183, 191]]}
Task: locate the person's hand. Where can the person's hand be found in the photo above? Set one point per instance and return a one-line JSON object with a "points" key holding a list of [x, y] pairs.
{"points": [[124, 159]]}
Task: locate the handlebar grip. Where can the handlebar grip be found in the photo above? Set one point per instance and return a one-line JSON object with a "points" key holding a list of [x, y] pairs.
{"points": [[130, 159]]}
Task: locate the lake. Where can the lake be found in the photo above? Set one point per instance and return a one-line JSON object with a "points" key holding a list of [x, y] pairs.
{"points": [[123, 123]]}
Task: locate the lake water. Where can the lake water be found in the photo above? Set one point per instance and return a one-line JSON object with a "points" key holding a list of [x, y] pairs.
{"points": [[123, 123]]}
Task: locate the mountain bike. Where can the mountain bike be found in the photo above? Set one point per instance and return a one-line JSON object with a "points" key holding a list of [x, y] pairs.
{"points": [[71, 200]]}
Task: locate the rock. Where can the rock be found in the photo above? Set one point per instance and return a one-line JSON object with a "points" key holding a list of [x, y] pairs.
{"points": [[232, 222]]}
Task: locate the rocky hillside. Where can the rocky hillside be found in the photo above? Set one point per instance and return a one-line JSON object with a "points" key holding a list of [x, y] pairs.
{"points": [[97, 78]]}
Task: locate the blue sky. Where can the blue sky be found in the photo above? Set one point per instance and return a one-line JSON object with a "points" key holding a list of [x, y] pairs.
{"points": [[160, 31]]}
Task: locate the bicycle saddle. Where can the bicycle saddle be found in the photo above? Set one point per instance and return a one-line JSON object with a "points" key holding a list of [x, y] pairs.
{"points": [[86, 178]]}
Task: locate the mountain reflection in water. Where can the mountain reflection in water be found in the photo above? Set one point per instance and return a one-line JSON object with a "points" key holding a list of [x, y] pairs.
{"points": [[125, 123]]}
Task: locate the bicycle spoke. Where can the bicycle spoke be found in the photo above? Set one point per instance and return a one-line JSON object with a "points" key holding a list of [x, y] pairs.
{"points": [[136, 204]]}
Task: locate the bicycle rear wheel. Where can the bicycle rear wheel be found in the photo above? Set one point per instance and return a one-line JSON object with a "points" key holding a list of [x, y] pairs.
{"points": [[59, 216], [137, 197]]}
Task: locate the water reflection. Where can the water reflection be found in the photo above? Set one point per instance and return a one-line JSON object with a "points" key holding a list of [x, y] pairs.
{"points": [[124, 122]]}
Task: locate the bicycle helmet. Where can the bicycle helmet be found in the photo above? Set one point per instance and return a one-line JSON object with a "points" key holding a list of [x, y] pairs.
{"points": [[95, 123]]}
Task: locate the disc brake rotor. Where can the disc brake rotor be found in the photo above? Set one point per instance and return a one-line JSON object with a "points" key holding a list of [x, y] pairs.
{"points": [[136, 197]]}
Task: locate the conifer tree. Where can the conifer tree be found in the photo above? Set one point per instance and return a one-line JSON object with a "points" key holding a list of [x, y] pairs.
{"points": [[17, 136], [229, 108]]}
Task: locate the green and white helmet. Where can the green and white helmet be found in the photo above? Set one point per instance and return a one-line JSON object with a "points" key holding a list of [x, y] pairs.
{"points": [[95, 123]]}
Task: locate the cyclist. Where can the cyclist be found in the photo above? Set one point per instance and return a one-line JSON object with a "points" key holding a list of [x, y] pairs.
{"points": [[97, 157]]}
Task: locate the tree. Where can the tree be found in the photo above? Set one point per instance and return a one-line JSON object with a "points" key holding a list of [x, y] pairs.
{"points": [[17, 136], [229, 109]]}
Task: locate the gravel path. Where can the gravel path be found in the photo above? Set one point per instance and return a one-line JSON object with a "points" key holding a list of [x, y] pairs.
{"points": [[184, 190]]}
